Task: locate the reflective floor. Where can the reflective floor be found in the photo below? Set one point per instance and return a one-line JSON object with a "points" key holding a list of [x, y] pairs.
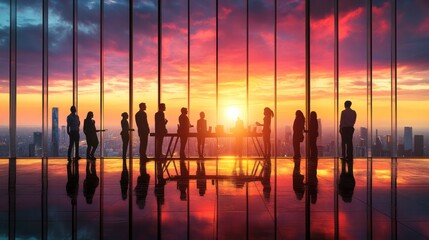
{"points": [[214, 199]]}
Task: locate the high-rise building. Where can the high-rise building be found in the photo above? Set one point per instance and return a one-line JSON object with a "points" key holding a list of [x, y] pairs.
{"points": [[319, 123], [408, 140], [37, 139], [37, 144], [418, 146], [55, 133]]}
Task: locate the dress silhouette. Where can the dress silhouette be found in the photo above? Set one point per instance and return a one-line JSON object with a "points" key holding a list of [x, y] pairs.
{"points": [[183, 130], [201, 134], [298, 134], [313, 133], [73, 124], [143, 129], [160, 129], [266, 131], [125, 133], [91, 135]]}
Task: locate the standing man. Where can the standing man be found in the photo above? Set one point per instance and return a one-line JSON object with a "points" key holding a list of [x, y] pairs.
{"points": [[183, 131], [73, 124], [347, 122], [143, 129], [160, 129]]}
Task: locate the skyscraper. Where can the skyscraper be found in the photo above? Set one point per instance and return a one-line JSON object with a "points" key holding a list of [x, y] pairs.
{"points": [[37, 144], [55, 133], [418, 145], [408, 141]]}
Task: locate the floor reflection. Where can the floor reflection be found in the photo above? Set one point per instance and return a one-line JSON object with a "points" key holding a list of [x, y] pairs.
{"points": [[214, 199]]}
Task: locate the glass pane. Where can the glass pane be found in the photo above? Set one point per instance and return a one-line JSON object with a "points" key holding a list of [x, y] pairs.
{"points": [[4, 78], [29, 80]]}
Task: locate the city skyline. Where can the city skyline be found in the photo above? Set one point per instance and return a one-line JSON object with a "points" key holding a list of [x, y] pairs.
{"points": [[411, 72]]}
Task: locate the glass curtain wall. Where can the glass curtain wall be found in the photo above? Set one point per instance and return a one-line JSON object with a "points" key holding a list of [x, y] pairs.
{"points": [[235, 81]]}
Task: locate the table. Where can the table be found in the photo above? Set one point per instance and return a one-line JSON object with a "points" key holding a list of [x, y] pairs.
{"points": [[174, 138]]}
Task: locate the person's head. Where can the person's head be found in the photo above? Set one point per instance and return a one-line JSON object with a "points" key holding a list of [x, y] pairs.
{"points": [[124, 115], [72, 109], [313, 115], [299, 114], [184, 110], [142, 106], [202, 115], [268, 112], [161, 107], [90, 115], [347, 104]]}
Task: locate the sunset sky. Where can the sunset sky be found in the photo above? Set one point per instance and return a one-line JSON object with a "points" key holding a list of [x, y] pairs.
{"points": [[413, 60]]}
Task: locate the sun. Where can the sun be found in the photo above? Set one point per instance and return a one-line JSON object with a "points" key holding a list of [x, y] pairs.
{"points": [[232, 113]]}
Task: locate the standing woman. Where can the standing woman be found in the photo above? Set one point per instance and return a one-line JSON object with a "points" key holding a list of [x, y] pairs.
{"points": [[266, 131], [313, 133], [91, 135], [298, 134], [201, 134], [125, 133]]}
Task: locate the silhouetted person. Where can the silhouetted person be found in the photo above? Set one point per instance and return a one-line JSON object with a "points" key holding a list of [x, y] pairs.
{"points": [[346, 185], [91, 135], [266, 181], [91, 181], [347, 122], [73, 124], [124, 179], [142, 185], [313, 133], [125, 133], [298, 133], [72, 186], [143, 129], [160, 129], [183, 130], [266, 131], [201, 134], [183, 182], [238, 132], [201, 177]]}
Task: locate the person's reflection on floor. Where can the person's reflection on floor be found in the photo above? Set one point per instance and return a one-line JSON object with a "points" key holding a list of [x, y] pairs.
{"points": [[266, 180], [183, 182], [312, 183], [238, 179], [91, 181], [298, 180], [201, 177], [72, 186], [346, 185], [159, 183], [124, 179], [142, 185]]}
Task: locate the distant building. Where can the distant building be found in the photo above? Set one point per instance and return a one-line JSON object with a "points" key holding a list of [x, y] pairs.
{"points": [[408, 141], [55, 133], [418, 146], [37, 144]]}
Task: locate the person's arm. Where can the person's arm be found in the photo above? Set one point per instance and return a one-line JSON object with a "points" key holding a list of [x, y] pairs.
{"points": [[68, 126]]}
